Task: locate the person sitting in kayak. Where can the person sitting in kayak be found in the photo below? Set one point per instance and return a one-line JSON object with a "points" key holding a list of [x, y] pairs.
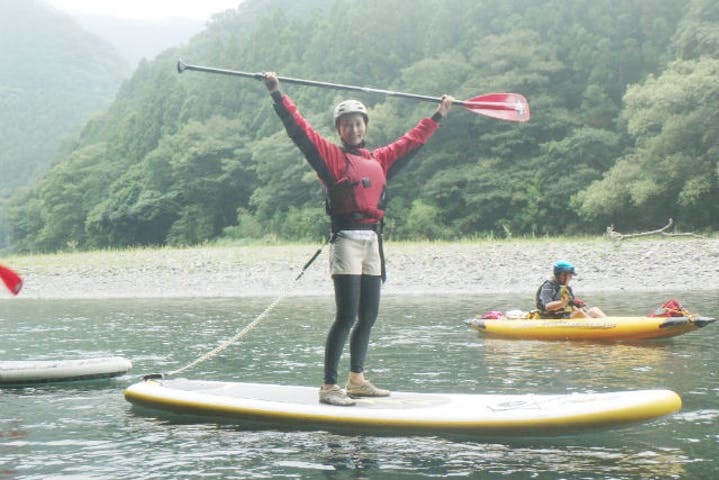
{"points": [[555, 298]]}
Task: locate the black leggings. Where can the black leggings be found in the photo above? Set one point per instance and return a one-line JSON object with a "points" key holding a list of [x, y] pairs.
{"points": [[357, 298]]}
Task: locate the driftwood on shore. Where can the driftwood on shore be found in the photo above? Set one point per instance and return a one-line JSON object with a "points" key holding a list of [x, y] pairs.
{"points": [[614, 235]]}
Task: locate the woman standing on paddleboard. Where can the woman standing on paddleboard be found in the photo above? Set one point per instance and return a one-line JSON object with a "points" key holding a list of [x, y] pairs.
{"points": [[355, 180]]}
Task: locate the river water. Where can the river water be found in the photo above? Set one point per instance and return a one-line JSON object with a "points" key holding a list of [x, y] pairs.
{"points": [[88, 431]]}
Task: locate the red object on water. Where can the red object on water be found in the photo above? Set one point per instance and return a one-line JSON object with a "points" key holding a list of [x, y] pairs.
{"points": [[11, 280], [670, 308]]}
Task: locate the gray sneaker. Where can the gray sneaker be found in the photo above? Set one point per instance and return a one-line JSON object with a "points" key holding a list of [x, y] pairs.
{"points": [[365, 390], [335, 396]]}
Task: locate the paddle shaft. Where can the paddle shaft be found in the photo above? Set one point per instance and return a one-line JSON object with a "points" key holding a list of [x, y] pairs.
{"points": [[181, 67]]}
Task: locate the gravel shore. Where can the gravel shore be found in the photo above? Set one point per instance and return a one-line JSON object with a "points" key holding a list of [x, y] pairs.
{"points": [[502, 266]]}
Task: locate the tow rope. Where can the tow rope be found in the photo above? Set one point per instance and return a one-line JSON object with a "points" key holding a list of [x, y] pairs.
{"points": [[224, 345]]}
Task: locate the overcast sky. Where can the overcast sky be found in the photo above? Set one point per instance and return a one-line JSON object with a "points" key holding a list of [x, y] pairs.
{"points": [[148, 9]]}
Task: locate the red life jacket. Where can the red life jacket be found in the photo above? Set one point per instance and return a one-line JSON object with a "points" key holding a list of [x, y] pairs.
{"points": [[360, 192]]}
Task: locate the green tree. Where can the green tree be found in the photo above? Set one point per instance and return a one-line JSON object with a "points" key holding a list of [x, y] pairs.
{"points": [[184, 192], [698, 33], [673, 169]]}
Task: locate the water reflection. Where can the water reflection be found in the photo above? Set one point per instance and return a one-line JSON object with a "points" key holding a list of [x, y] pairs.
{"points": [[414, 457], [571, 366]]}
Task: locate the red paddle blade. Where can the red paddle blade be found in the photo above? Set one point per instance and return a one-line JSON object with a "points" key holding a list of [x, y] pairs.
{"points": [[505, 106], [11, 280]]}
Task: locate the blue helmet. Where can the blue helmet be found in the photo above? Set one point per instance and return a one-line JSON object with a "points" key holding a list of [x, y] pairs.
{"points": [[562, 266]]}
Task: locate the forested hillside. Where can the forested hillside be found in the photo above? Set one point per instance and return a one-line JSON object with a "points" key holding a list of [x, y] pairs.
{"points": [[623, 129], [53, 77], [137, 39]]}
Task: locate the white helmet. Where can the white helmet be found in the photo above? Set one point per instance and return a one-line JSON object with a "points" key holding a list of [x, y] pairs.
{"points": [[350, 106]]}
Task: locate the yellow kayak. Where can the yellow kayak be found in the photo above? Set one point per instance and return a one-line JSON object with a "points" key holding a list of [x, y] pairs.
{"points": [[608, 328]]}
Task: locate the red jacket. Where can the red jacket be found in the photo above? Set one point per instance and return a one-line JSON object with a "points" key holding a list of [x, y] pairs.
{"points": [[336, 166]]}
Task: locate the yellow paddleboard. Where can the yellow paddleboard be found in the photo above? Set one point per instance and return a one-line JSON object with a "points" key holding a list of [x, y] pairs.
{"points": [[423, 413], [608, 328]]}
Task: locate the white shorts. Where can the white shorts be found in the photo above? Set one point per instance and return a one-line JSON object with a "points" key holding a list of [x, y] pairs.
{"points": [[355, 252]]}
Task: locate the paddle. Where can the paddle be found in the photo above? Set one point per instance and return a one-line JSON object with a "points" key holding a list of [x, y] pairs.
{"points": [[504, 106], [11, 280]]}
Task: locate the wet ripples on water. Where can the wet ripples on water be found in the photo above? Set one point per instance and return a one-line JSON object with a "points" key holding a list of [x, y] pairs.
{"points": [[88, 431]]}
